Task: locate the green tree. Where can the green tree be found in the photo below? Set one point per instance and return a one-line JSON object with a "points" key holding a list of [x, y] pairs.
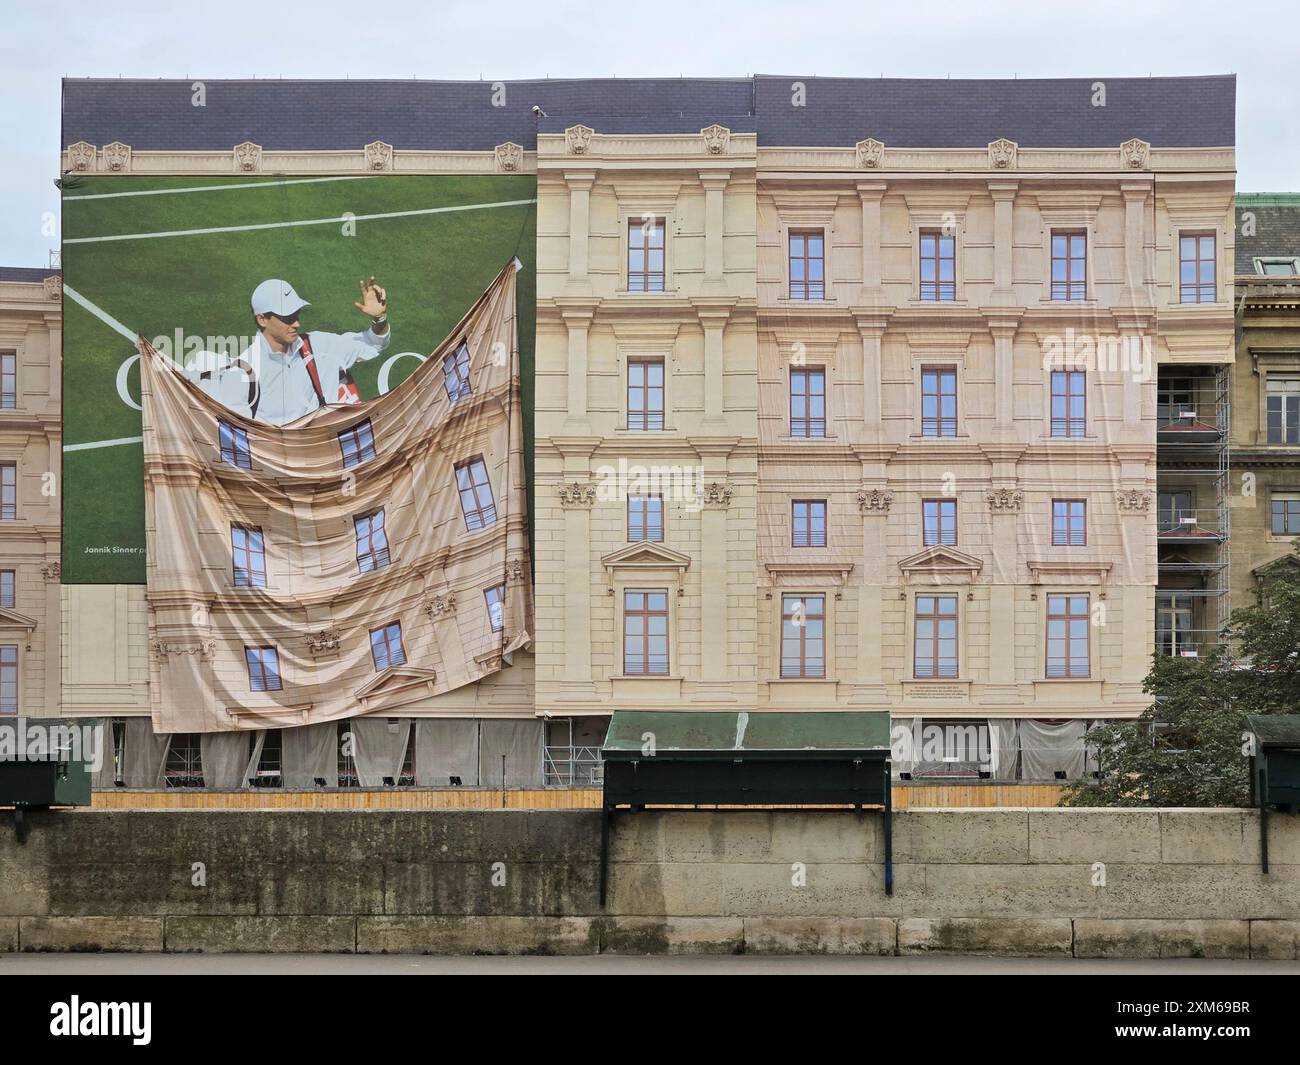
{"points": [[1188, 748]]}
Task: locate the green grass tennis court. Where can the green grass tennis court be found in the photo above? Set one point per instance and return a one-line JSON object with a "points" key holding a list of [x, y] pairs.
{"points": [[132, 256]]}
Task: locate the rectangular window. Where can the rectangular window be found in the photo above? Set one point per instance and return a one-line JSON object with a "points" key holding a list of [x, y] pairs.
{"points": [[938, 522], [1067, 636], [1174, 620], [1286, 515], [1069, 403], [935, 653], [234, 446], [372, 542], [358, 444], [645, 519], [1277, 266], [248, 554], [263, 668], [455, 373], [9, 678], [1196, 278], [645, 633], [1282, 402], [475, 494], [808, 523], [939, 402], [807, 264], [496, 605], [645, 395], [1069, 265], [803, 636], [8, 491], [8, 583], [8, 380], [645, 254], [1069, 522], [808, 402], [1174, 511], [938, 266], [386, 646]]}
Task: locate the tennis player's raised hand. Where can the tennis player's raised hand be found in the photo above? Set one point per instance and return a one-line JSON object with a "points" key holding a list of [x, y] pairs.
{"points": [[373, 301]]}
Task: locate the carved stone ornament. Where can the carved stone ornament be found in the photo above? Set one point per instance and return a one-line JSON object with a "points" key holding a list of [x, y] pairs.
{"points": [[379, 156], [117, 157], [1002, 154], [81, 157], [510, 157], [53, 287], [1133, 500], [1007, 500], [440, 605], [248, 157], [52, 571], [717, 494], [716, 139], [515, 569], [875, 501], [577, 494], [1135, 154], [325, 640], [577, 139], [204, 648], [871, 154]]}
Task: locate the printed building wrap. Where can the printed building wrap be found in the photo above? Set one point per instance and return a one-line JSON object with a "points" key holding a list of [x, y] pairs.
{"points": [[451, 570]]}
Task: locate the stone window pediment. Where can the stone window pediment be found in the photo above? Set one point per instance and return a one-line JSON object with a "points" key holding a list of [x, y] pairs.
{"points": [[941, 565]]}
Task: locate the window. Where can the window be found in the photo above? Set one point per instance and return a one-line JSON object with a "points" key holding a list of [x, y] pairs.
{"points": [[1279, 266], [386, 646], [808, 523], [645, 633], [475, 494], [455, 373], [645, 518], [936, 636], [1282, 404], [938, 265], [1171, 509], [1069, 265], [8, 491], [645, 254], [183, 767], [1067, 636], [234, 446], [8, 380], [1069, 403], [496, 605], [1286, 515], [263, 668], [249, 556], [938, 522], [803, 636], [645, 395], [1174, 620], [938, 402], [9, 678], [808, 402], [358, 444], [1069, 523], [8, 582], [807, 264], [372, 542], [1196, 282]]}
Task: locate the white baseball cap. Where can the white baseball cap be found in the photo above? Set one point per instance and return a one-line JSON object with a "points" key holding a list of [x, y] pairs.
{"points": [[274, 296]]}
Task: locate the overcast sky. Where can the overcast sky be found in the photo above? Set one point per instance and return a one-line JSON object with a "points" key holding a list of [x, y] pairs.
{"points": [[505, 39]]}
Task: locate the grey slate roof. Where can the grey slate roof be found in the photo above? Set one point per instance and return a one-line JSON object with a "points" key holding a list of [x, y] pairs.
{"points": [[1035, 113], [1276, 229], [28, 273], [459, 115]]}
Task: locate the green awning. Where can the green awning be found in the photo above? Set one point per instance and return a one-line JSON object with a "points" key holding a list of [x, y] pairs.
{"points": [[765, 731]]}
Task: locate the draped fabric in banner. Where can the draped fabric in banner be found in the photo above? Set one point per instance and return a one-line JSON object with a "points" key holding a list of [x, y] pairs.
{"points": [[363, 559]]}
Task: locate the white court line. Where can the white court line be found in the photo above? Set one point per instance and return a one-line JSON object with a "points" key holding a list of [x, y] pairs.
{"points": [[217, 188], [305, 222], [104, 443], [102, 315]]}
